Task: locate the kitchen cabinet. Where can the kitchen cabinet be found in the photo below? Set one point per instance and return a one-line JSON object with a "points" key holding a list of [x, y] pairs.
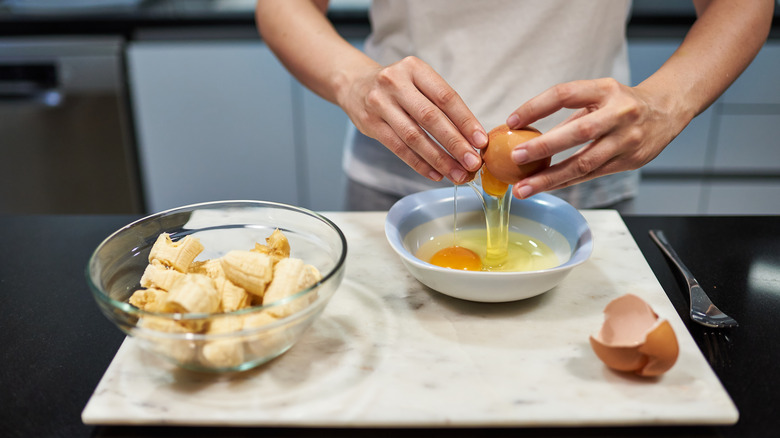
{"points": [[222, 119], [64, 138], [727, 161], [747, 143], [751, 196], [325, 126], [214, 120], [670, 196]]}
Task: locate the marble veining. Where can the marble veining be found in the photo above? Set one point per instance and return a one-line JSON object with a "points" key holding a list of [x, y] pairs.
{"points": [[388, 351]]}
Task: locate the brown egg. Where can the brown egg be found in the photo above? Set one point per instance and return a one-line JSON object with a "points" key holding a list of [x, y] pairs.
{"points": [[634, 339], [497, 154]]}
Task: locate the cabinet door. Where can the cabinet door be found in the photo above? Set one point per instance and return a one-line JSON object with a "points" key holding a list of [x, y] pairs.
{"points": [[669, 196], [687, 152], [758, 83], [743, 197], [325, 128], [748, 143], [213, 121], [324, 133]]}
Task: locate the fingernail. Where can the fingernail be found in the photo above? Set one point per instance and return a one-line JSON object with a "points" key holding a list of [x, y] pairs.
{"points": [[472, 161], [513, 121], [458, 176], [434, 175], [525, 191], [520, 156], [480, 139]]}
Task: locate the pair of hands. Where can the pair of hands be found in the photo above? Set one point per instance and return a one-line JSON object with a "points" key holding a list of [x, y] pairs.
{"points": [[410, 109]]}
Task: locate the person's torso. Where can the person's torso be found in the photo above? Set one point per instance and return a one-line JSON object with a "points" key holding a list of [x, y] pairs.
{"points": [[496, 54]]}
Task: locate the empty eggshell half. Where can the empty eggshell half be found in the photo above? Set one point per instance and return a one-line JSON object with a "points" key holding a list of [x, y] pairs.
{"points": [[634, 339]]}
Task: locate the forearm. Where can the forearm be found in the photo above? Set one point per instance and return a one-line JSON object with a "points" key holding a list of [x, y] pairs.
{"points": [[300, 35], [722, 42]]}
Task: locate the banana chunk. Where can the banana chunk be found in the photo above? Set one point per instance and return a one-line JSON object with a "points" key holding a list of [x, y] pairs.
{"points": [[310, 277], [156, 275], [194, 293], [232, 296], [226, 324], [150, 300], [210, 268], [291, 276], [224, 353], [255, 320], [276, 246], [177, 255], [260, 343], [249, 270], [181, 350]]}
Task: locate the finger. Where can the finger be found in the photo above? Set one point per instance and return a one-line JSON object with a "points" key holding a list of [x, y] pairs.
{"points": [[611, 167], [436, 123], [576, 94], [574, 116], [387, 136], [587, 163], [438, 91], [578, 131], [412, 137]]}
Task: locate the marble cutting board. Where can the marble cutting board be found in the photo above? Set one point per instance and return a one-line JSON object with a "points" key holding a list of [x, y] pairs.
{"points": [[388, 351]]}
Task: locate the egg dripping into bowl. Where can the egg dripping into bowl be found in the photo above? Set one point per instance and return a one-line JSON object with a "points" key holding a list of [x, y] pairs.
{"points": [[498, 249]]}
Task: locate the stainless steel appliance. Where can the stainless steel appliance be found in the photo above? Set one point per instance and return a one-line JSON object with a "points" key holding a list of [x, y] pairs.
{"points": [[65, 137]]}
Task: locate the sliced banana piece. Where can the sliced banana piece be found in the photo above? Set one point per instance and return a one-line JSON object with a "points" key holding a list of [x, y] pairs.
{"points": [[276, 246], [249, 270], [291, 275], [232, 297], [224, 353], [310, 277], [211, 268], [195, 293], [150, 300], [181, 350], [177, 255], [156, 275]]}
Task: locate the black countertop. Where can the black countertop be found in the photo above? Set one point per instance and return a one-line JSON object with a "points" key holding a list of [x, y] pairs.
{"points": [[56, 344]]}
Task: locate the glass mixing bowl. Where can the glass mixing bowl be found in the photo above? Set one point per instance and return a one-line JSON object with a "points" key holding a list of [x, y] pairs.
{"points": [[117, 264]]}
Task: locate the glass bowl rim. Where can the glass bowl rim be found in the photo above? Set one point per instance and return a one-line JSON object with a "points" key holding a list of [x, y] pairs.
{"points": [[134, 311]]}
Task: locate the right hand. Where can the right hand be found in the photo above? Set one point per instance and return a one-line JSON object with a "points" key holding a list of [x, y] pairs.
{"points": [[408, 107]]}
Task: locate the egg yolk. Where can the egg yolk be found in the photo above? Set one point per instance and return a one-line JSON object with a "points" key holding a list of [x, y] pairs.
{"points": [[457, 257], [492, 185]]}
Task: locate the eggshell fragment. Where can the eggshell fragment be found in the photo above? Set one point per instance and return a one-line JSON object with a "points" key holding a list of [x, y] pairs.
{"points": [[634, 339]]}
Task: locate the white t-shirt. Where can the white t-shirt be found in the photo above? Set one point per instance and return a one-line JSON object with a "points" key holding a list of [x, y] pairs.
{"points": [[482, 49]]}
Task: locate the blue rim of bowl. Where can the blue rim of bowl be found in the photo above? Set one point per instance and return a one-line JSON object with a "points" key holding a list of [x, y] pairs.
{"points": [[442, 198], [132, 310]]}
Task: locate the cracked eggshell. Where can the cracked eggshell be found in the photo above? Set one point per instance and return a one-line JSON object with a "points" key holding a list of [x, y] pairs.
{"points": [[497, 154], [634, 339]]}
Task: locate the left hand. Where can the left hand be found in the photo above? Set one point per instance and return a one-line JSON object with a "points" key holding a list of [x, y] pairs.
{"points": [[620, 127]]}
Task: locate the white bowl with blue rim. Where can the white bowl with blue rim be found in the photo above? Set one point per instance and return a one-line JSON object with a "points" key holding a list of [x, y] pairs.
{"points": [[417, 218]]}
